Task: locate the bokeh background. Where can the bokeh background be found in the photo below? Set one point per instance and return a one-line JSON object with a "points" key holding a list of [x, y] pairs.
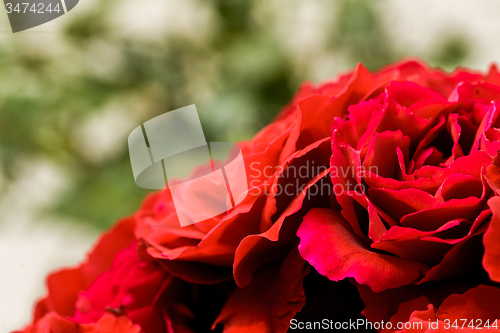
{"points": [[73, 89]]}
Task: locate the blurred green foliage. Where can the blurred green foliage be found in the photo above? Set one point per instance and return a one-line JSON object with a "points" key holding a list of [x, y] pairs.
{"points": [[239, 75], [359, 33]]}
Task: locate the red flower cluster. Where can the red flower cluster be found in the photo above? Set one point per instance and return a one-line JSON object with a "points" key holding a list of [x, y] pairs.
{"points": [[373, 196]]}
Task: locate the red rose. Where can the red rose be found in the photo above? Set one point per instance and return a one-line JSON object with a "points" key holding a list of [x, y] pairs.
{"points": [[114, 290], [64, 285], [55, 323], [377, 120], [54, 312], [408, 167], [408, 170], [131, 288], [386, 179]]}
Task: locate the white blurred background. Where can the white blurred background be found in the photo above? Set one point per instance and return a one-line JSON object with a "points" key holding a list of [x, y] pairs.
{"points": [[71, 90]]}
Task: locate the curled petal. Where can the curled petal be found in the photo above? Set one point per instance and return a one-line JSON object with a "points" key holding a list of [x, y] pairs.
{"points": [[491, 259], [329, 244]]}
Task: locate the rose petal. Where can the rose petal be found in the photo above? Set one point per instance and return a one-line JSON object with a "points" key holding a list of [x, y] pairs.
{"points": [[270, 301], [384, 305], [491, 258], [408, 93], [466, 91], [55, 323], [328, 243], [402, 202], [405, 310], [64, 285], [256, 250], [477, 303], [492, 174], [461, 259], [432, 218], [417, 245], [382, 153]]}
